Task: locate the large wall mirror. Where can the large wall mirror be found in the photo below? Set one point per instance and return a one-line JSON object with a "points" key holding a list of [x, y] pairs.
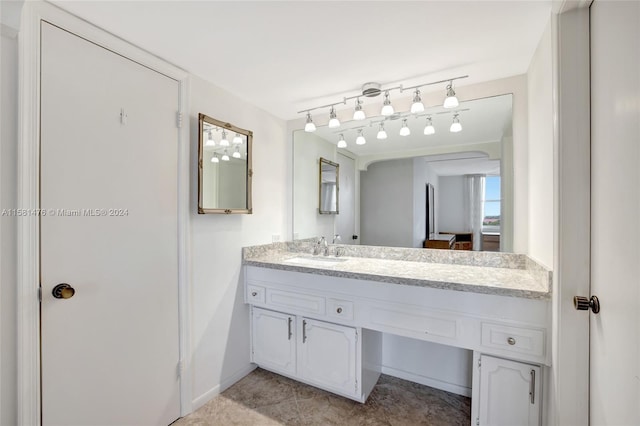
{"points": [[224, 167], [402, 190]]}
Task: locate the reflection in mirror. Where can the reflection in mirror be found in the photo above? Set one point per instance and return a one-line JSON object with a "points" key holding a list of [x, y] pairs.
{"points": [[329, 187], [224, 167], [470, 173]]}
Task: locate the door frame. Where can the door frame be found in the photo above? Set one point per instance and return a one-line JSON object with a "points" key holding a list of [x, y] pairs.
{"points": [[567, 396], [28, 250]]}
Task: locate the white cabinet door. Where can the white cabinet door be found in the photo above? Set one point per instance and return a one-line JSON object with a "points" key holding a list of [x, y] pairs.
{"points": [[509, 393], [274, 340], [328, 355]]}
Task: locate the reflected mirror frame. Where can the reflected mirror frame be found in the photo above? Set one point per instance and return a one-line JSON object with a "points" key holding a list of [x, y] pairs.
{"points": [[202, 118], [337, 166]]}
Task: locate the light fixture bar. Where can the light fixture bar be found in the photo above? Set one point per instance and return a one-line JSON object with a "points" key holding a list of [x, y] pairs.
{"points": [[383, 90]]}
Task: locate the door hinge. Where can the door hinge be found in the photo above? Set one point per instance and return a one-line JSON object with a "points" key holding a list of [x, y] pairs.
{"points": [[123, 116], [356, 336], [477, 421], [180, 368], [40, 294], [356, 385], [479, 362], [179, 120]]}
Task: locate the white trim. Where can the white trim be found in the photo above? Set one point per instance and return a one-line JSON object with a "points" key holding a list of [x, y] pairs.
{"points": [[224, 385], [28, 197], [427, 381], [7, 31], [572, 216]]}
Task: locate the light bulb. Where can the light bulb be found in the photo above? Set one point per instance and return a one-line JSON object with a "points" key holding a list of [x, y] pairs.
{"points": [[358, 114], [215, 158], [455, 126], [360, 140], [224, 141], [342, 143], [210, 141], [429, 129], [417, 106], [405, 131], [309, 126], [333, 119], [450, 101], [225, 156], [387, 108], [237, 139], [382, 134], [236, 153]]}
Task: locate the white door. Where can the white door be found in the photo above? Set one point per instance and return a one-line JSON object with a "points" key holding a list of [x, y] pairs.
{"points": [[109, 183], [346, 219], [328, 355], [509, 393], [615, 213], [273, 337]]}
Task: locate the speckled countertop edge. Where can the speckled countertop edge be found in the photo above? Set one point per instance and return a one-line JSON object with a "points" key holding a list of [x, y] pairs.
{"points": [[503, 274]]}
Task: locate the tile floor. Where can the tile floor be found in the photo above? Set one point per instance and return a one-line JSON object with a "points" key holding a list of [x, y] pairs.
{"points": [[265, 398]]}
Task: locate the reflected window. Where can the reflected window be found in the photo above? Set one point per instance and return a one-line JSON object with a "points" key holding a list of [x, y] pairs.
{"points": [[492, 201]]}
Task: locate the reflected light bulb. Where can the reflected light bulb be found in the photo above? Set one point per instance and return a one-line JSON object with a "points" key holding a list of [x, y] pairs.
{"points": [[215, 158], [224, 141], [429, 129], [455, 126], [237, 139], [382, 134], [360, 140], [225, 156], [236, 153], [342, 143], [404, 130]]}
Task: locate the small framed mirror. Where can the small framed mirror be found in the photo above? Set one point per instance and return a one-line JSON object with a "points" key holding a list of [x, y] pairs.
{"points": [[224, 167], [329, 187]]}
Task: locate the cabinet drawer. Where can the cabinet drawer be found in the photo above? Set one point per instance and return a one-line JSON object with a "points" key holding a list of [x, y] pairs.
{"points": [[340, 309], [518, 340], [289, 300], [414, 322], [255, 294]]}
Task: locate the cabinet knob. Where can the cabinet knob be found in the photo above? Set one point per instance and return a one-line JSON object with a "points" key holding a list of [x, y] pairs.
{"points": [[339, 310], [254, 293], [511, 341]]}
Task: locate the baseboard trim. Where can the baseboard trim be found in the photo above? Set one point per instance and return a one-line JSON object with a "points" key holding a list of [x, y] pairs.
{"points": [[427, 381], [222, 386]]}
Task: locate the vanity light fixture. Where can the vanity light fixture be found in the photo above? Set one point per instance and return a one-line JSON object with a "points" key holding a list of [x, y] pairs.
{"points": [[429, 129], [236, 153], [455, 126], [224, 141], [359, 114], [372, 90], [225, 156], [237, 139], [404, 130], [309, 126], [417, 106], [215, 158], [382, 134], [387, 108], [333, 118], [341, 142], [210, 141], [360, 140], [450, 101]]}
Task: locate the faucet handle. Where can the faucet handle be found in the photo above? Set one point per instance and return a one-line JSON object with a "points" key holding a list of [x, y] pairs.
{"points": [[336, 238]]}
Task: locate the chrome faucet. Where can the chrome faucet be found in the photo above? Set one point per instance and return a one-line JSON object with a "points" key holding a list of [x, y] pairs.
{"points": [[319, 244], [336, 238]]}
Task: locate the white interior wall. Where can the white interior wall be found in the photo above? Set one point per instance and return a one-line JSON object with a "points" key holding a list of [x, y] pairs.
{"points": [[220, 319], [308, 223], [8, 224], [541, 110], [451, 204], [439, 366], [386, 204]]}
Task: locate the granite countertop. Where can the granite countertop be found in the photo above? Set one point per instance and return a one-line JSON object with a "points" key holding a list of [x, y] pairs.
{"points": [[503, 274]]}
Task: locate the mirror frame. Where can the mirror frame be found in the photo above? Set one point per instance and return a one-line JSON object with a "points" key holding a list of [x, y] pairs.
{"points": [[337, 166], [202, 118]]}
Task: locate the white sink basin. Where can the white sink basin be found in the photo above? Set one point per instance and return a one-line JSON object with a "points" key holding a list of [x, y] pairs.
{"points": [[322, 261]]}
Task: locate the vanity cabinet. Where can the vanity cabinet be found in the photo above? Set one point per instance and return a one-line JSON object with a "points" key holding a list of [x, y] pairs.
{"points": [[274, 340], [505, 392], [319, 353]]}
